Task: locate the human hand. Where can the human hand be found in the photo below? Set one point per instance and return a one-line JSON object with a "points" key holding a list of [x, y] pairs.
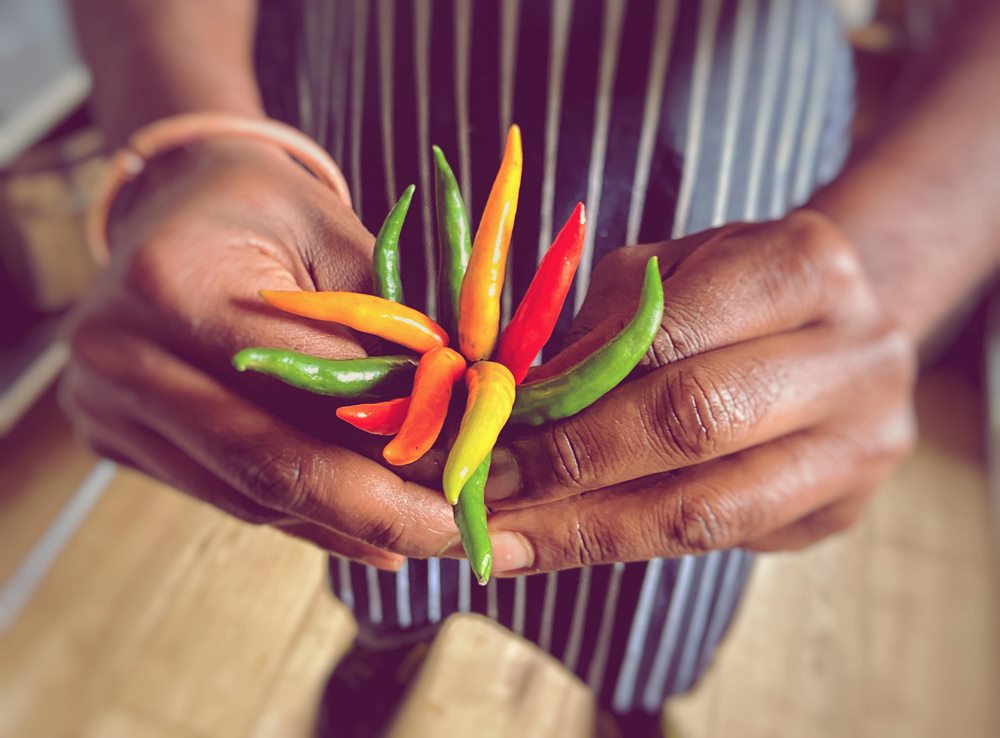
{"points": [[150, 381], [774, 400]]}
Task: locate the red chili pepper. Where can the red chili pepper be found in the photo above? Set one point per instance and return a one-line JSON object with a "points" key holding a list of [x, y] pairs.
{"points": [[437, 372], [536, 316], [379, 418]]}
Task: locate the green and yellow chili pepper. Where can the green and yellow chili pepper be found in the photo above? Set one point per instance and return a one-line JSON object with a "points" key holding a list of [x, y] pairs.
{"points": [[587, 381], [470, 517], [454, 241], [337, 377], [387, 275], [491, 397]]}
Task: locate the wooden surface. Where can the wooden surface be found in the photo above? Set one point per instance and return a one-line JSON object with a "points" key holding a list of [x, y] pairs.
{"points": [[162, 618]]}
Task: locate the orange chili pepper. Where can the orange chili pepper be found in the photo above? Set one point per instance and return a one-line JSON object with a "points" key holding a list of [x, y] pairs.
{"points": [[437, 372], [479, 303], [367, 313], [380, 418]]}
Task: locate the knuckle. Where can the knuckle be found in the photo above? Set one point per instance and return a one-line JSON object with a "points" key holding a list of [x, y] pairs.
{"points": [[817, 246], [895, 439], [695, 525], [898, 357], [273, 478], [696, 417], [385, 533], [678, 338], [839, 519], [589, 547], [570, 455]]}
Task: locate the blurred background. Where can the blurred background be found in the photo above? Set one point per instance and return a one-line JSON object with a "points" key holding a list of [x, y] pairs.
{"points": [[128, 610]]}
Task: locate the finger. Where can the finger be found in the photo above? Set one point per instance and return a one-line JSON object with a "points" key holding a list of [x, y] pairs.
{"points": [[273, 464], [340, 545], [183, 475], [830, 520], [739, 284], [717, 505], [213, 313], [144, 450], [700, 409]]}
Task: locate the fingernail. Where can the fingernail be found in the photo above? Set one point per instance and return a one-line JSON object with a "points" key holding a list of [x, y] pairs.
{"points": [[511, 552], [505, 477]]}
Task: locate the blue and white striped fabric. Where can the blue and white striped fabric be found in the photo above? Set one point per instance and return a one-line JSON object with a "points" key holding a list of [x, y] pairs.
{"points": [[665, 117]]}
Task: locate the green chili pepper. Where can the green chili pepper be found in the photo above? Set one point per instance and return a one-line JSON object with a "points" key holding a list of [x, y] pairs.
{"points": [[470, 517], [375, 375], [454, 240], [586, 382], [387, 278]]}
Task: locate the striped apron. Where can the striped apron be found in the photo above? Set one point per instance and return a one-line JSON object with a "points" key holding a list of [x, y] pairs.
{"points": [[665, 117]]}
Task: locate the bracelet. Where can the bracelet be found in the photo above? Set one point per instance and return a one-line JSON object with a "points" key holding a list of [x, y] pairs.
{"points": [[174, 132]]}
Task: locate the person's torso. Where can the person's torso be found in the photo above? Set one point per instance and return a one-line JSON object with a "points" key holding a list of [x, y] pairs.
{"points": [[662, 117]]}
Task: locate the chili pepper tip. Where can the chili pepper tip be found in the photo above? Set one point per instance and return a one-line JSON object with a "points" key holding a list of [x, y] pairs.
{"points": [[486, 566]]}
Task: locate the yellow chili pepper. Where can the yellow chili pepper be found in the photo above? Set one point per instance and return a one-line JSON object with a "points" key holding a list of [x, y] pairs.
{"points": [[491, 397], [367, 313], [479, 303]]}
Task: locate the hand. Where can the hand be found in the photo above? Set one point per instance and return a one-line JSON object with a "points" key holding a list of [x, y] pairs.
{"points": [[150, 381], [773, 402]]}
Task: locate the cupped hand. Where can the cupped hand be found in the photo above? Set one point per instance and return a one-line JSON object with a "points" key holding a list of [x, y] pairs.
{"points": [[150, 381], [774, 400]]}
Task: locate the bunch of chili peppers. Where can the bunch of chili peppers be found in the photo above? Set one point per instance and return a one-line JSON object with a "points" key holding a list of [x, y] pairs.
{"points": [[493, 364]]}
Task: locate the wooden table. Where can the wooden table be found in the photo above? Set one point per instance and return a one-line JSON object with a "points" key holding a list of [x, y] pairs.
{"points": [[162, 618]]}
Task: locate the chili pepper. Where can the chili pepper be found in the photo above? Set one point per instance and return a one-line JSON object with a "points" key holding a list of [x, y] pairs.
{"points": [[454, 240], [368, 313], [387, 280], [587, 381], [536, 316], [337, 377], [380, 418], [470, 517], [479, 314], [437, 371], [491, 396]]}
